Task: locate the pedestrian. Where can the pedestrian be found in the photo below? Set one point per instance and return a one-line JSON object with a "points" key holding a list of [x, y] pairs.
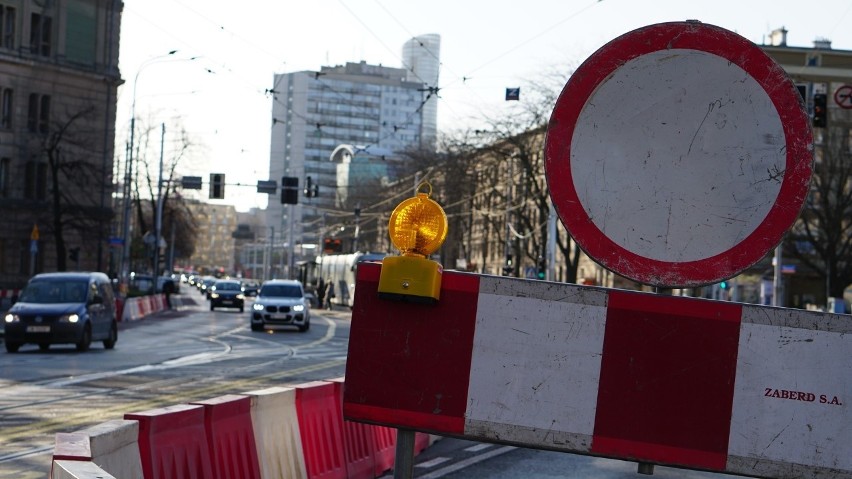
{"points": [[329, 294], [320, 293]]}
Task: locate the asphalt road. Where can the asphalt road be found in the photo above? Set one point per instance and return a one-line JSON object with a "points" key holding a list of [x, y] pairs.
{"points": [[170, 358]]}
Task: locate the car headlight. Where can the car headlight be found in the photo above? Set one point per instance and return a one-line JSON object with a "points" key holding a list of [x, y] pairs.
{"points": [[12, 318], [241, 296], [69, 318], [299, 307], [214, 295], [257, 307]]}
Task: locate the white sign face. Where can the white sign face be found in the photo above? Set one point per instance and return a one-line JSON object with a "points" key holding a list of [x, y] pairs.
{"points": [[667, 162], [678, 154]]}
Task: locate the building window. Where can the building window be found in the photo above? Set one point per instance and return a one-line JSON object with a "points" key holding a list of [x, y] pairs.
{"points": [[5, 108], [38, 113], [40, 34], [5, 165], [7, 27], [35, 180]]}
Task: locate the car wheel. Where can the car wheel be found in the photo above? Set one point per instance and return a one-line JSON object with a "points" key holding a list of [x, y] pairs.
{"points": [[12, 347], [86, 340], [257, 327], [242, 309], [306, 327], [44, 346], [113, 337], [211, 306]]}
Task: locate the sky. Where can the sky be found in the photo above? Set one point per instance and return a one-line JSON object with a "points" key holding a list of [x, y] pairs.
{"points": [[214, 86]]}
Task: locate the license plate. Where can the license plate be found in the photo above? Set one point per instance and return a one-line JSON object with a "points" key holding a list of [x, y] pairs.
{"points": [[38, 329], [227, 301]]}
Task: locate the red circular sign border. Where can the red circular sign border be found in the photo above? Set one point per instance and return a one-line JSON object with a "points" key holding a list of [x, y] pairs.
{"points": [[691, 36], [837, 100]]}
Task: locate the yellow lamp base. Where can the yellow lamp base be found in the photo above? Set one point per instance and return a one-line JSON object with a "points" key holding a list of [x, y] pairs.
{"points": [[409, 278]]}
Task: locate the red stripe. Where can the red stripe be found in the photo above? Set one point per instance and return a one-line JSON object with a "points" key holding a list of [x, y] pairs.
{"points": [[667, 379], [434, 423], [409, 364]]}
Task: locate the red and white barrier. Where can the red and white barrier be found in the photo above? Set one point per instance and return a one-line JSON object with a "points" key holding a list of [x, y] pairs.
{"points": [[680, 381], [173, 443], [276, 433], [321, 429], [142, 306], [227, 421]]}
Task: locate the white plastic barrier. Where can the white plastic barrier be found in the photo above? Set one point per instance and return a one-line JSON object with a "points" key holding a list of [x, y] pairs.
{"points": [[276, 433], [79, 470], [112, 445]]}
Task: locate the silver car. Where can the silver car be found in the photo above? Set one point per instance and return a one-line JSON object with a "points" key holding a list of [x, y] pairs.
{"points": [[281, 303]]}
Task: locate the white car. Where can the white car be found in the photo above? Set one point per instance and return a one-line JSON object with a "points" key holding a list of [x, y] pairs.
{"points": [[281, 303]]}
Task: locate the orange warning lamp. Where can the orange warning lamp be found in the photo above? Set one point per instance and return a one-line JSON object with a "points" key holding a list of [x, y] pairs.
{"points": [[417, 227]]}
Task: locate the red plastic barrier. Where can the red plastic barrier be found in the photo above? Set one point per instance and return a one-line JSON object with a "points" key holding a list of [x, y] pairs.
{"points": [[421, 442], [119, 308], [359, 442], [321, 429], [385, 448], [227, 420], [173, 443]]}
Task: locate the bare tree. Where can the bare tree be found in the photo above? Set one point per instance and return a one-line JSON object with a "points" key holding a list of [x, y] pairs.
{"points": [[73, 175], [822, 238], [176, 215]]}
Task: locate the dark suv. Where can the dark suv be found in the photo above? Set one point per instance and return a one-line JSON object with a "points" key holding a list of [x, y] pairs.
{"points": [[227, 293]]}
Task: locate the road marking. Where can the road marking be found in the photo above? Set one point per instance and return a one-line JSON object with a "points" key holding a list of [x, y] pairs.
{"points": [[478, 447], [467, 463], [433, 462]]}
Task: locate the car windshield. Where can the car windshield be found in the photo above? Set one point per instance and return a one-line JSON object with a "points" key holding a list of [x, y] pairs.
{"points": [[55, 291], [227, 286], [281, 290]]}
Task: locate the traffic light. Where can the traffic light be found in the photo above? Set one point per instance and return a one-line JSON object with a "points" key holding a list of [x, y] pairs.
{"points": [[217, 186], [289, 190], [311, 189], [820, 110], [542, 269], [723, 285], [508, 268], [331, 245]]}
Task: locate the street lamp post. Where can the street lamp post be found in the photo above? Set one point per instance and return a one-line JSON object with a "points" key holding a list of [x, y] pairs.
{"points": [[125, 257]]}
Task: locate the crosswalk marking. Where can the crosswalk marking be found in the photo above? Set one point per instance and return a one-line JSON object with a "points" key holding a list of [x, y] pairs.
{"points": [[478, 447], [433, 462]]}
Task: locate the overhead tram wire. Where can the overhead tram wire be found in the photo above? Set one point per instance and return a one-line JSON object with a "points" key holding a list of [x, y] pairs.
{"points": [[525, 42]]}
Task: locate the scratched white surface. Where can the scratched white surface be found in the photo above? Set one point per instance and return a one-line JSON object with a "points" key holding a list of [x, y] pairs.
{"points": [[679, 156], [775, 354], [535, 367]]}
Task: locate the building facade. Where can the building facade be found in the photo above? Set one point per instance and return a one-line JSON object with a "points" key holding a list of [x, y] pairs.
{"points": [[421, 59], [313, 113], [58, 80], [214, 240]]}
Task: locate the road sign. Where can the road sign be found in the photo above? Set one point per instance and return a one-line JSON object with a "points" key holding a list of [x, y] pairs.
{"points": [[693, 383], [843, 97], [678, 154]]}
